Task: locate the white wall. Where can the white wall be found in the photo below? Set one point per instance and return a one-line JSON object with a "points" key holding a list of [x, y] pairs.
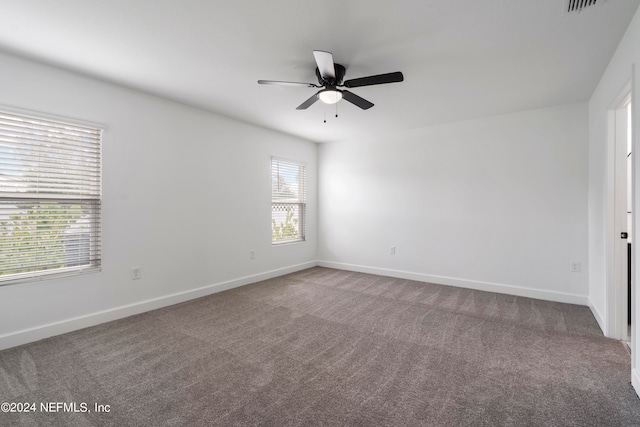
{"points": [[186, 196], [498, 203], [616, 76]]}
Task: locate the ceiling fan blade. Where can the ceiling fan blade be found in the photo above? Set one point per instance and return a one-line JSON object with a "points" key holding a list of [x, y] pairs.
{"points": [[325, 64], [308, 103], [356, 100], [375, 80], [275, 82]]}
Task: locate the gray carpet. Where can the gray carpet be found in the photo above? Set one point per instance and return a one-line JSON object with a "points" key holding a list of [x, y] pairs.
{"points": [[329, 347]]}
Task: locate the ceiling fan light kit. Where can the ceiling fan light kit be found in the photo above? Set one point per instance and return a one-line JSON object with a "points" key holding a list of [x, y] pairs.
{"points": [[330, 76], [330, 96]]}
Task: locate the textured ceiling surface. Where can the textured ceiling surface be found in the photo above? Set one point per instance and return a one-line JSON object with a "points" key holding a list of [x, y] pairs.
{"points": [[461, 59]]}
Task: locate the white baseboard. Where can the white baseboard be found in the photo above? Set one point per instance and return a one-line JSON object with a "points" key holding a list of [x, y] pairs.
{"points": [[599, 318], [635, 381], [17, 338], [462, 283], [25, 336]]}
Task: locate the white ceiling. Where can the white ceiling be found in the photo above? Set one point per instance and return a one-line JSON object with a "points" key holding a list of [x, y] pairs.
{"points": [[461, 59]]}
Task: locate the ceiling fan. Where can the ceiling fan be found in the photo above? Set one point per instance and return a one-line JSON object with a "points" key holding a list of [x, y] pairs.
{"points": [[330, 78]]}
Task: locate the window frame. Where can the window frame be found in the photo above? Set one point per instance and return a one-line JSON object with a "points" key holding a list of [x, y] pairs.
{"points": [[92, 204], [300, 202]]}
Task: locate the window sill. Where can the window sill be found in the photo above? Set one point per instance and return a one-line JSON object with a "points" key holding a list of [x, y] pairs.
{"points": [[288, 242], [43, 275]]}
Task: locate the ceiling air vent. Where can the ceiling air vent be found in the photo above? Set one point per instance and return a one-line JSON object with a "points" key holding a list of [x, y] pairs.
{"points": [[571, 6]]}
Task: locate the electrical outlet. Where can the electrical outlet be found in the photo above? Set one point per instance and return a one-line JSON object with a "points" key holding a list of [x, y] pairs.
{"points": [[576, 267], [392, 250], [136, 273], [252, 253]]}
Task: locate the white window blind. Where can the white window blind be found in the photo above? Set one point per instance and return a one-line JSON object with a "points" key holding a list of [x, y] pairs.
{"points": [[50, 197], [288, 201]]}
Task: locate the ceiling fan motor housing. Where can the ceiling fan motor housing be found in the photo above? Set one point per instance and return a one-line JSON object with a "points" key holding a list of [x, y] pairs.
{"points": [[339, 71]]}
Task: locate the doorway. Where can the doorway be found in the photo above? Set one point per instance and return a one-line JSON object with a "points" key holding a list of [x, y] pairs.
{"points": [[626, 111], [620, 212]]}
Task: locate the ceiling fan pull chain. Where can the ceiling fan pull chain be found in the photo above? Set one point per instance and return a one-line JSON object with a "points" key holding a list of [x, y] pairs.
{"points": [[336, 110]]}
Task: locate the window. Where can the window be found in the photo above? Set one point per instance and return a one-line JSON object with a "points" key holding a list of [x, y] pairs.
{"points": [[288, 204], [50, 197]]}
